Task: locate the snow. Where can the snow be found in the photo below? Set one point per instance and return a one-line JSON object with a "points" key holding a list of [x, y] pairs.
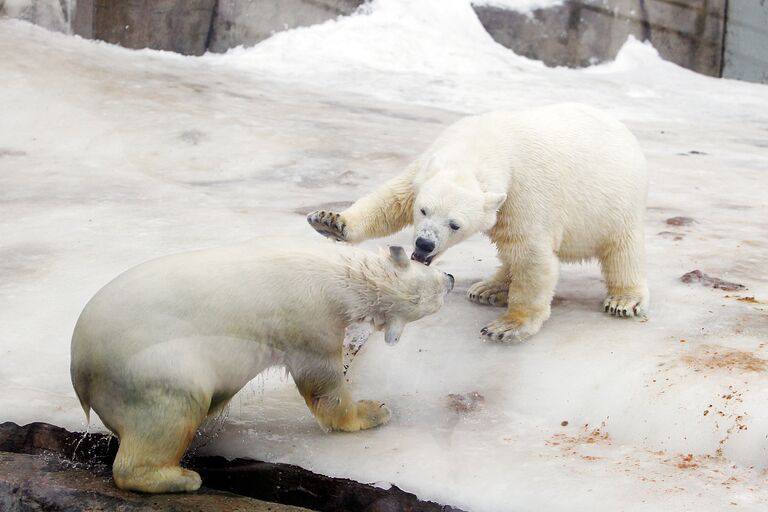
{"points": [[109, 157]]}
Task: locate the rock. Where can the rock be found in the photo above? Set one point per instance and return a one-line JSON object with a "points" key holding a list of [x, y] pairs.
{"points": [[697, 276], [49, 14], [680, 221], [46, 483], [580, 33], [180, 26], [246, 22], [71, 471]]}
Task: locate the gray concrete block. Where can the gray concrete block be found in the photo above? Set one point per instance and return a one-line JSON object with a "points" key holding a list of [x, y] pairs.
{"points": [[246, 22], [50, 14], [582, 32], [746, 41], [180, 26]]}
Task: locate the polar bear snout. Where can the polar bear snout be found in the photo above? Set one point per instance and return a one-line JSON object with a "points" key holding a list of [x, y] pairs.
{"points": [[423, 251], [424, 245]]}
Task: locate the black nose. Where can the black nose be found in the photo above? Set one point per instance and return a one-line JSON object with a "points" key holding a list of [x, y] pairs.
{"points": [[425, 245], [451, 279]]}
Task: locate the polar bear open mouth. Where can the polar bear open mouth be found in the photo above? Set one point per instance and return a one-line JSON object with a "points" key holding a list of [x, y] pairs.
{"points": [[422, 258]]}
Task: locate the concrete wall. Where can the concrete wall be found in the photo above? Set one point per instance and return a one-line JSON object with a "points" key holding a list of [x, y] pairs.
{"points": [[176, 25], [577, 33], [582, 32], [746, 41], [193, 27], [246, 22]]}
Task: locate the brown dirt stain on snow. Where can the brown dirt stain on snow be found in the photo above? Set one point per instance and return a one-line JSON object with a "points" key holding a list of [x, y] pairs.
{"points": [[714, 357]]}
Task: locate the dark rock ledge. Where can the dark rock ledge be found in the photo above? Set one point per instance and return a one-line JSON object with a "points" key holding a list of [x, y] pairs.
{"points": [[44, 467]]}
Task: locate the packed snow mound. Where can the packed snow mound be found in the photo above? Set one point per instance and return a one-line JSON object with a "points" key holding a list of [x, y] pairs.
{"points": [[428, 37]]}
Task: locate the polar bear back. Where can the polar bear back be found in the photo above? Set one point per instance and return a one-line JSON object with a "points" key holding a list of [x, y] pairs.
{"points": [[572, 173], [192, 318]]}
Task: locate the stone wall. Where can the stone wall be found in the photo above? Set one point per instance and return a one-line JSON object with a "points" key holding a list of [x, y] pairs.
{"points": [[173, 25], [582, 32], [246, 22], [745, 55], [193, 27], [576, 33]]}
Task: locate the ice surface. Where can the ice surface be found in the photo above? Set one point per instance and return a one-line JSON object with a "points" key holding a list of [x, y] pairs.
{"points": [[109, 157]]}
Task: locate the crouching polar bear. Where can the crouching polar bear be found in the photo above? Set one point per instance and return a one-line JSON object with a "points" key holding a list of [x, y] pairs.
{"points": [[563, 182], [171, 341]]}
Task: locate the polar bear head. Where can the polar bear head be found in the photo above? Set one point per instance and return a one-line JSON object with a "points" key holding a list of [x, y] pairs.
{"points": [[402, 291], [445, 213]]}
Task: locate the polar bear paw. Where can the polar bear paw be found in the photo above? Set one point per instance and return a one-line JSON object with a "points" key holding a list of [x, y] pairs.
{"points": [[328, 224], [491, 293], [514, 327], [626, 306], [157, 480], [371, 413]]}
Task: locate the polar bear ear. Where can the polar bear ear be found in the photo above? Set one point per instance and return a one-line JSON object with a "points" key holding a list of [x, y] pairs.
{"points": [[494, 201], [398, 257]]}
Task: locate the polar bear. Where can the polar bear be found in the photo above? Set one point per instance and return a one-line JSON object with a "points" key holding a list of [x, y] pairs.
{"points": [[170, 342], [564, 182]]}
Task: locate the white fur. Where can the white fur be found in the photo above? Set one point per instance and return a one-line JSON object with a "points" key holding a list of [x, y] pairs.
{"points": [[563, 182], [172, 340]]}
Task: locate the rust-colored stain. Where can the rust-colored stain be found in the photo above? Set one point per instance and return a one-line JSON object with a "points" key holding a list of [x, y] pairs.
{"points": [[713, 357], [570, 444], [686, 462]]}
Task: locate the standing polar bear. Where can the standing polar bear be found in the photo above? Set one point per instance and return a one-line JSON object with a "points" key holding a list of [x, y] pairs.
{"points": [[171, 341], [563, 182]]}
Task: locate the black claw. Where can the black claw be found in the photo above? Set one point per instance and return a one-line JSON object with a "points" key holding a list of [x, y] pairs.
{"points": [[484, 330], [606, 308]]}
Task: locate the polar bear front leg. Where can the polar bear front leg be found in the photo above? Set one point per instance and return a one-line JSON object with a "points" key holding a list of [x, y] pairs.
{"points": [[325, 391], [385, 211], [533, 270], [492, 292], [622, 264]]}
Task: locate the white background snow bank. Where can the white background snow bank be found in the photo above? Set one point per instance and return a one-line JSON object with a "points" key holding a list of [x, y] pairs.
{"points": [[109, 157]]}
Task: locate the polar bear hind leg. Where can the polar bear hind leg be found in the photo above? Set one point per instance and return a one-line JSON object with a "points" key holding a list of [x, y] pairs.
{"points": [[153, 440], [324, 389], [622, 263], [533, 270]]}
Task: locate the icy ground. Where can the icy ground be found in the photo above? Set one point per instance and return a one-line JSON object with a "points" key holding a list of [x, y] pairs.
{"points": [[109, 157]]}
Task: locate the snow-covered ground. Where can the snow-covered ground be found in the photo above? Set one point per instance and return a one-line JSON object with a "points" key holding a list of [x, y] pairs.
{"points": [[109, 157]]}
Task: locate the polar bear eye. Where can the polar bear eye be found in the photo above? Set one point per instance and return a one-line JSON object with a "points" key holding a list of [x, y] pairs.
{"points": [[454, 226], [424, 212]]}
